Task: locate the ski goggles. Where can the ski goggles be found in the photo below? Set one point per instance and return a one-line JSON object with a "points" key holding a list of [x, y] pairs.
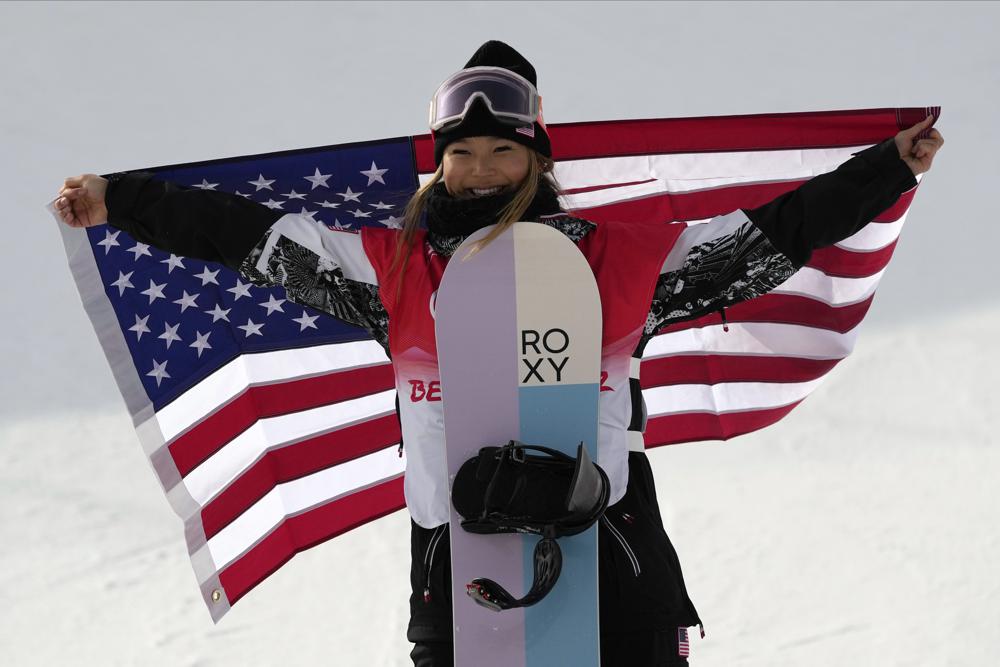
{"points": [[510, 97]]}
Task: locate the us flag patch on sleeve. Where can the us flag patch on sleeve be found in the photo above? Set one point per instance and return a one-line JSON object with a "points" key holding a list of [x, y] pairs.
{"points": [[683, 645]]}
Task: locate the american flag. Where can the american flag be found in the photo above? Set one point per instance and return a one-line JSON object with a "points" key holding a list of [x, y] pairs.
{"points": [[683, 644], [271, 427]]}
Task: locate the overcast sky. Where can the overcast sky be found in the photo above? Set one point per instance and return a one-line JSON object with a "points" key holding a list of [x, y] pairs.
{"points": [[108, 87]]}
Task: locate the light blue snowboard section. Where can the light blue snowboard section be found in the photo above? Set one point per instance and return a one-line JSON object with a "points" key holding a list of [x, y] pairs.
{"points": [[560, 417]]}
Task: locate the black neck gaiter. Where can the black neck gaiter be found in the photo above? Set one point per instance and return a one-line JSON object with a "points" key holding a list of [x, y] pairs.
{"points": [[449, 216]]}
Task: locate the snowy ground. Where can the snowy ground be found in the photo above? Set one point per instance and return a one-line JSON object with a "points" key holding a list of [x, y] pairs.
{"points": [[863, 530]]}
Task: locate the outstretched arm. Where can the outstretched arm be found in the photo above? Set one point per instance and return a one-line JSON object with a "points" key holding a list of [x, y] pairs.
{"points": [[749, 252], [204, 224], [323, 269], [834, 206]]}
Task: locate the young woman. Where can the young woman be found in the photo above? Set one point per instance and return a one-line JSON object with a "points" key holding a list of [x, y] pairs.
{"points": [[494, 167]]}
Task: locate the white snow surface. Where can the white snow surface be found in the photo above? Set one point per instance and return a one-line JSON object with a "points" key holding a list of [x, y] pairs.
{"points": [[862, 530]]}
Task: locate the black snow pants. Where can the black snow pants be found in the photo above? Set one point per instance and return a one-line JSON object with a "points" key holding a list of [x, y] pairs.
{"points": [[644, 605]]}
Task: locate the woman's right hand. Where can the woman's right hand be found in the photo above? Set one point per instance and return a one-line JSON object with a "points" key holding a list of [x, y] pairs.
{"points": [[81, 201]]}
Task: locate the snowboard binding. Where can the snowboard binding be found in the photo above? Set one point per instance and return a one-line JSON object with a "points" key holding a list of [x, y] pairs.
{"points": [[550, 494]]}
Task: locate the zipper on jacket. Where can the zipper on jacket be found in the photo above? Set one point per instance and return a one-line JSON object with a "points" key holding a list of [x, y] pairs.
{"points": [[625, 545], [429, 559], [400, 422]]}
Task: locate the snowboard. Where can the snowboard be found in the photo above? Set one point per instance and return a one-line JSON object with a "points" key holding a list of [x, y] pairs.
{"points": [[518, 327]]}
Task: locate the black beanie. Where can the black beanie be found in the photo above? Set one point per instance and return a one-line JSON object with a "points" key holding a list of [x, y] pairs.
{"points": [[480, 122]]}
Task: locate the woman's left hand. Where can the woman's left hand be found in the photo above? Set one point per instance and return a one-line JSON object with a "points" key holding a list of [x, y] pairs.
{"points": [[919, 154]]}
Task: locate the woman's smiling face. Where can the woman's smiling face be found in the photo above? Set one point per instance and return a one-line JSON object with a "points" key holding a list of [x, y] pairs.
{"points": [[484, 166]]}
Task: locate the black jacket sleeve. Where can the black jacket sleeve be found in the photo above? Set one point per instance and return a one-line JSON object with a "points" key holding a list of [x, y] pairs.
{"points": [[203, 224], [833, 206], [723, 262]]}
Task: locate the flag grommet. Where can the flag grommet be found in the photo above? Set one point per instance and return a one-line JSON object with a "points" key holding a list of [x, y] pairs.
{"points": [[216, 595]]}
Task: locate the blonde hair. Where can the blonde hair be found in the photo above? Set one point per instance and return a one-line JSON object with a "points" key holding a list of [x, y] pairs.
{"points": [[539, 169]]}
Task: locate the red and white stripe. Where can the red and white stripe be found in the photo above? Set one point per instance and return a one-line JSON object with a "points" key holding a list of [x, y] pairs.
{"points": [[275, 452], [279, 451], [683, 643]]}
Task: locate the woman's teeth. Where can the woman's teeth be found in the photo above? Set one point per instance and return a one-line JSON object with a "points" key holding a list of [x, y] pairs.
{"points": [[485, 192]]}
